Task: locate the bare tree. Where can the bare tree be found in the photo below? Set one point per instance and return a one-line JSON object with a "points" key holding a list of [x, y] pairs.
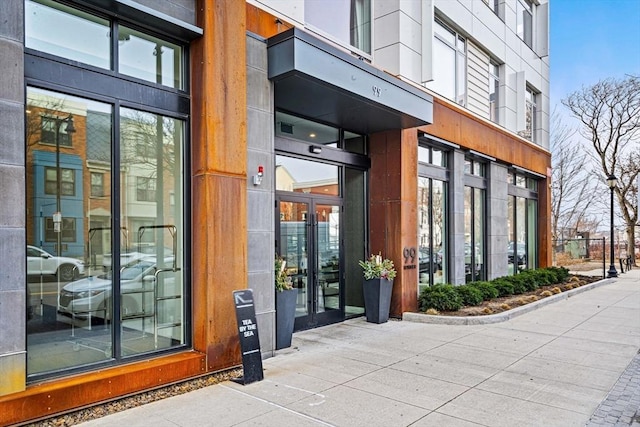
{"points": [[609, 113], [571, 191]]}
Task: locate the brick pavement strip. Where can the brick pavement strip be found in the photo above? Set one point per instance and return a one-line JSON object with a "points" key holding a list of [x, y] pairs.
{"points": [[621, 407]]}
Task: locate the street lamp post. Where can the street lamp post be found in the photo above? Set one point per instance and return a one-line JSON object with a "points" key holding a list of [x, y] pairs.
{"points": [[612, 181], [57, 217]]}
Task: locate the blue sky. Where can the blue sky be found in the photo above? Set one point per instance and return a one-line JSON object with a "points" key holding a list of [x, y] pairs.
{"points": [[592, 40]]}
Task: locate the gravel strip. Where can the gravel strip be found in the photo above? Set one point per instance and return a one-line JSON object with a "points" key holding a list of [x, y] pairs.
{"points": [[103, 409]]}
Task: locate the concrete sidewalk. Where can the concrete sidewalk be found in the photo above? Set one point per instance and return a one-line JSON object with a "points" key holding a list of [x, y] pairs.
{"points": [[553, 366]]}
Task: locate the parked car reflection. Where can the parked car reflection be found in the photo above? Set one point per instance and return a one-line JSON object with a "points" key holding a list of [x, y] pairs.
{"points": [[40, 262], [134, 253], [519, 251], [91, 296]]}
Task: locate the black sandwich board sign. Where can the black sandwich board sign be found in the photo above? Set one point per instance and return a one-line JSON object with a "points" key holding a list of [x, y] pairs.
{"points": [[249, 340]]}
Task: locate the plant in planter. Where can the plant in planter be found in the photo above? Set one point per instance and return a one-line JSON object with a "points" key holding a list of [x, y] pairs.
{"points": [[285, 304], [378, 283]]}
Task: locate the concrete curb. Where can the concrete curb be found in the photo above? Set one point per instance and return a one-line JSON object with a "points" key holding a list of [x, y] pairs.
{"points": [[500, 317]]}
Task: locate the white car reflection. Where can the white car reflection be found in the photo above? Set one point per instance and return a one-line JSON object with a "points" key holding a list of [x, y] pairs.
{"points": [[91, 296], [40, 262]]}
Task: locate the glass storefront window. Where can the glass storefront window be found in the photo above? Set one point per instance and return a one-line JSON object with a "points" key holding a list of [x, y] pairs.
{"points": [[301, 129], [151, 276], [149, 58], [72, 34], [522, 221], [65, 255], [98, 295], [69, 33], [69, 236], [474, 199], [432, 233], [304, 176]]}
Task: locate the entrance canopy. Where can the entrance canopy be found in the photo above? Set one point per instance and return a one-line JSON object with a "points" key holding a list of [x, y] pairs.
{"points": [[319, 81]]}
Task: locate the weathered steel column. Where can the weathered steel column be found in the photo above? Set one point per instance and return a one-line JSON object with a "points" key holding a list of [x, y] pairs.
{"points": [[219, 149]]}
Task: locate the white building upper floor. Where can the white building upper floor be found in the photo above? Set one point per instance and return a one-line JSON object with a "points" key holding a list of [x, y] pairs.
{"points": [[489, 56]]}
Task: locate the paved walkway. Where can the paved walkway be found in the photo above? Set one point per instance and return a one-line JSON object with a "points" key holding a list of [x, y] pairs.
{"points": [[568, 363]]}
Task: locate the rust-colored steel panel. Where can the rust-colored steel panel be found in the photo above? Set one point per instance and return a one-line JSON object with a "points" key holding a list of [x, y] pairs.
{"points": [[59, 396], [263, 23], [393, 219], [460, 127], [219, 109]]}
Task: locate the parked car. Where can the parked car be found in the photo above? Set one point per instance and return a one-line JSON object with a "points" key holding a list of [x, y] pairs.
{"points": [[91, 296], [40, 262]]}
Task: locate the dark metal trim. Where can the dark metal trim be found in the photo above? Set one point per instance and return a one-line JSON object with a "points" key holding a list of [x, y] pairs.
{"points": [[143, 16], [328, 154], [103, 83]]}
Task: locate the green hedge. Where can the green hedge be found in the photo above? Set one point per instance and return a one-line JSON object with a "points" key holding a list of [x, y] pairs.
{"points": [[440, 297], [487, 290], [446, 297], [469, 295]]}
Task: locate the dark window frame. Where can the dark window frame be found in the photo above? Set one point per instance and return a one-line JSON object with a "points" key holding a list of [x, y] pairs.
{"points": [[46, 71]]}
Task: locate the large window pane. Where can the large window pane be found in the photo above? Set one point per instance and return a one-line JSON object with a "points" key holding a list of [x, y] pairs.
{"points": [[444, 70], [151, 275], [480, 266], [432, 233], [68, 298], [149, 58], [60, 30], [304, 176]]}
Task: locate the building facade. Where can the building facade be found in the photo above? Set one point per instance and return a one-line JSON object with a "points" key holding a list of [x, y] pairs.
{"points": [[158, 156]]}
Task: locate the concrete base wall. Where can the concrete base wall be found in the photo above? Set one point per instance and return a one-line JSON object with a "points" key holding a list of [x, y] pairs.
{"points": [[260, 198], [12, 209]]}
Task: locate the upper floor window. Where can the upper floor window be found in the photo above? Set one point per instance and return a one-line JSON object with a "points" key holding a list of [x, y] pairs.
{"points": [[474, 167], [67, 181], [524, 21], [449, 70], [145, 189], [54, 130], [97, 184], [347, 21], [493, 4], [59, 30], [530, 115], [494, 84], [432, 156]]}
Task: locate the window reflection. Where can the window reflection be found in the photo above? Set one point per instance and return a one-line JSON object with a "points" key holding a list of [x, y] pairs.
{"points": [[69, 236], [62, 31], [474, 244], [149, 58], [152, 283], [62, 248], [304, 176], [431, 232]]}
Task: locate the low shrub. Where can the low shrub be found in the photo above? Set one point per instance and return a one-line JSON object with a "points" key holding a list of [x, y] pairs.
{"points": [[529, 280], [518, 281], [440, 297], [561, 274], [504, 287], [545, 277], [487, 290], [470, 295]]}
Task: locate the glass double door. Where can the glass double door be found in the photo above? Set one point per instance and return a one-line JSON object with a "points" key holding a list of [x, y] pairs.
{"points": [[309, 240]]}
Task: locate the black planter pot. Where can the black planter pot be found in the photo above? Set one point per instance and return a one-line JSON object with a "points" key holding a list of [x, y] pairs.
{"points": [[377, 299], [285, 317]]}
